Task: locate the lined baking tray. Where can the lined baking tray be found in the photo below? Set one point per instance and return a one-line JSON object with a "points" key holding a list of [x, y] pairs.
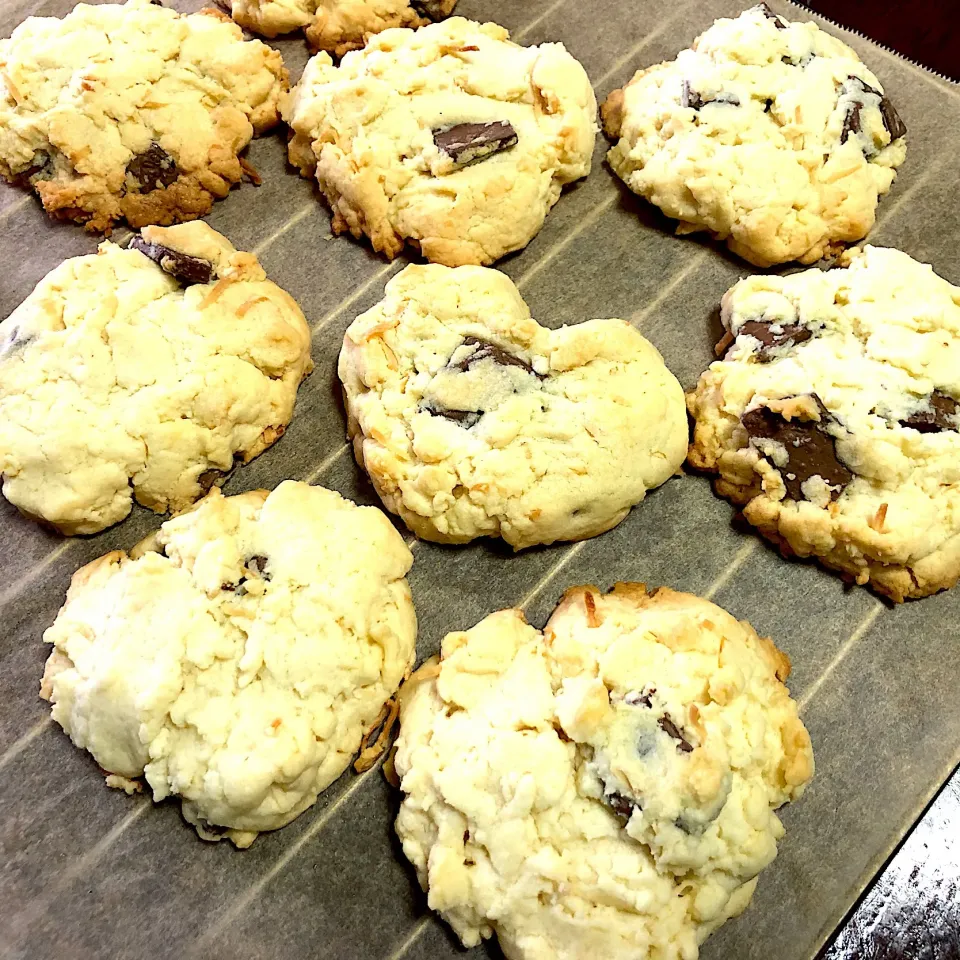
{"points": [[88, 872]]}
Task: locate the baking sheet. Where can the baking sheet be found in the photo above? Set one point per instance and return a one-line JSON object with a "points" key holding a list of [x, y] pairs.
{"points": [[88, 872]]}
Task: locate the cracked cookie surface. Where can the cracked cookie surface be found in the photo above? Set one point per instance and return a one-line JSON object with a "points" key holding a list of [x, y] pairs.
{"points": [[449, 138], [236, 658], [771, 135], [834, 418], [605, 787], [472, 419], [144, 374], [337, 26], [132, 111]]}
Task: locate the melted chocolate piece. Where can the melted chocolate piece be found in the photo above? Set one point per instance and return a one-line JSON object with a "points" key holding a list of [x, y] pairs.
{"points": [[622, 806], [185, 268], [637, 699], [852, 121], [468, 143], [153, 169], [485, 350], [431, 9], [466, 418], [690, 98], [811, 451], [770, 15], [790, 333], [672, 730], [940, 417]]}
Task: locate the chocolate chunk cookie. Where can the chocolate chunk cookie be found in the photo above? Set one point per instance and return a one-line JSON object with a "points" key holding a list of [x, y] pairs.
{"points": [[337, 26], [132, 111], [144, 374], [632, 753], [768, 134], [473, 420], [475, 138], [834, 418], [236, 658]]}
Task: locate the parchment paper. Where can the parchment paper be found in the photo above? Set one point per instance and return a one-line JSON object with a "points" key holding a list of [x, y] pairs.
{"points": [[88, 872]]}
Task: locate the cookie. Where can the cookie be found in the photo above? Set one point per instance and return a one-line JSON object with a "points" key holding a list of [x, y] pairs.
{"points": [[834, 420], [449, 138], [472, 419], [132, 112], [145, 374], [605, 788], [770, 135], [236, 658], [337, 26]]}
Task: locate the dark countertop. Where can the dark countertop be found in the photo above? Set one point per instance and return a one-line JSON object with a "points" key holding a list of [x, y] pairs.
{"points": [[912, 912]]}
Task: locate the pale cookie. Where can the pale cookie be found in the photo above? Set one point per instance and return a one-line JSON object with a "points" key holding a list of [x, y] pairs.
{"points": [[605, 788], [144, 374], [337, 26], [449, 138], [133, 111], [770, 135], [237, 657], [473, 420], [834, 418]]}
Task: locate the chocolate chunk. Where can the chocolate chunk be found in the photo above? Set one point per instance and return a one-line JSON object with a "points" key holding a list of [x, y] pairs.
{"points": [[852, 121], [185, 268], [431, 9], [622, 806], [891, 119], [153, 169], [208, 479], [811, 451], [762, 330], [941, 415], [690, 98], [770, 15], [485, 350], [466, 418], [468, 143], [672, 730], [637, 698]]}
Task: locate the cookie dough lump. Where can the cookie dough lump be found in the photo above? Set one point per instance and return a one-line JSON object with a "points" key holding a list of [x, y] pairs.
{"points": [[473, 420], [146, 374], [605, 788], [237, 658], [834, 418], [449, 138], [771, 135], [132, 111], [337, 26]]}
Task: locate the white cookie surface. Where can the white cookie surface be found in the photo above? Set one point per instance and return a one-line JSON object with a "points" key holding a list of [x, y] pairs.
{"points": [[372, 132], [546, 795], [771, 135], [238, 668], [337, 26], [132, 111], [119, 383], [472, 419], [865, 363]]}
